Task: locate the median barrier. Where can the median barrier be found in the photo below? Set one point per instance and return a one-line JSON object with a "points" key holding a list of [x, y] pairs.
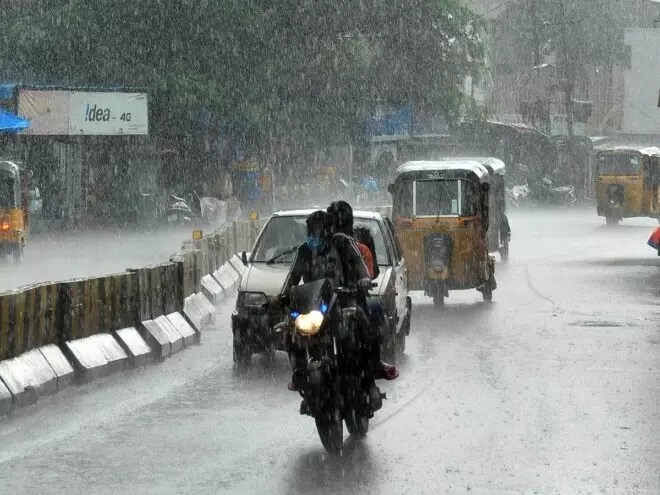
{"points": [[212, 289], [139, 353], [158, 289], [27, 319], [6, 399], [51, 333]]}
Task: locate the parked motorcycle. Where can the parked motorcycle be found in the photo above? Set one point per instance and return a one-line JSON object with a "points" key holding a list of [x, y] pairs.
{"points": [[180, 212], [517, 195], [546, 192], [322, 324]]}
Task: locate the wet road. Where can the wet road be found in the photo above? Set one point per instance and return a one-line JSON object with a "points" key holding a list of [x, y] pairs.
{"points": [[89, 254], [552, 388]]}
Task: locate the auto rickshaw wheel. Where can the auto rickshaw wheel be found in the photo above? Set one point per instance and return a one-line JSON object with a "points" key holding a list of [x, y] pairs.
{"points": [[612, 220], [439, 300], [487, 291], [504, 250], [18, 253]]}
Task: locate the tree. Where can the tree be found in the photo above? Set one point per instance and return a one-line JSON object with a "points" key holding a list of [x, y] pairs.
{"points": [[303, 70]]}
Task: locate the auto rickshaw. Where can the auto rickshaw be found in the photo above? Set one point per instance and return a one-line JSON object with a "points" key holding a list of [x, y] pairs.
{"points": [[498, 223], [14, 210], [627, 182], [441, 211]]}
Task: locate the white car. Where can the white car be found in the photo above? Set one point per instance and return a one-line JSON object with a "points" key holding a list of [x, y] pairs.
{"points": [[257, 310]]}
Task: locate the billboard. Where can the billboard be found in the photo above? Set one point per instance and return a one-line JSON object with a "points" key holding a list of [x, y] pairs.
{"points": [[76, 113], [47, 111], [108, 114], [641, 94]]}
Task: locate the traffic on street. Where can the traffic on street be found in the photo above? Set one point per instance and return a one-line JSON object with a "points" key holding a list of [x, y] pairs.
{"points": [[550, 388]]}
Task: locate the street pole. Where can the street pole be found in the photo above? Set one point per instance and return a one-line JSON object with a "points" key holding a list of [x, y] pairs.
{"points": [[568, 72], [536, 43]]}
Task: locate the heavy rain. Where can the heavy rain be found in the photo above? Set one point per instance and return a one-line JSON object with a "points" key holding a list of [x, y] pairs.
{"points": [[175, 319]]}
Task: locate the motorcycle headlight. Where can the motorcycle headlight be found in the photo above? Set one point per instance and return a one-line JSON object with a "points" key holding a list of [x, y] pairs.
{"points": [[254, 299], [309, 323]]}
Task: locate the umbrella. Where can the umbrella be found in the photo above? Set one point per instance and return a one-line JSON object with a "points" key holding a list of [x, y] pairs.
{"points": [[12, 123]]}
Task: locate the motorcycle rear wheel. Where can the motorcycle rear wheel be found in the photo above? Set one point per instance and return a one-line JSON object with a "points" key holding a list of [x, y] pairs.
{"points": [[357, 424], [331, 431]]}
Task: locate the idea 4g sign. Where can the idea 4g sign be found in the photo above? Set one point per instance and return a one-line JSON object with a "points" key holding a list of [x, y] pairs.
{"points": [[92, 113], [108, 113]]}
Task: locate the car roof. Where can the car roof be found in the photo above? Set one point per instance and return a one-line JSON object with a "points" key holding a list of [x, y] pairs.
{"points": [[360, 214]]}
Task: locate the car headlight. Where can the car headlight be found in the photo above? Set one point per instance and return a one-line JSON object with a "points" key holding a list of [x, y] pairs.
{"points": [[253, 299], [309, 323]]}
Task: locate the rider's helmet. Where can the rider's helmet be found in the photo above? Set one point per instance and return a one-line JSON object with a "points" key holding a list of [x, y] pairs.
{"points": [[318, 224], [341, 214]]}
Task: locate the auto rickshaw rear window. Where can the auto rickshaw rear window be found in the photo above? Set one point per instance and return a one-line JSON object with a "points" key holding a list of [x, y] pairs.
{"points": [[619, 164], [7, 197], [436, 198]]}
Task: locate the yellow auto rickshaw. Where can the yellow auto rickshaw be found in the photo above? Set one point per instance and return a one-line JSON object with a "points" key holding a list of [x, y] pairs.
{"points": [[627, 182], [14, 212], [441, 212], [498, 235]]}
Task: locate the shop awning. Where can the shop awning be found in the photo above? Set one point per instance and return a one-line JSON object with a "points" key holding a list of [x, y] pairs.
{"points": [[12, 123]]}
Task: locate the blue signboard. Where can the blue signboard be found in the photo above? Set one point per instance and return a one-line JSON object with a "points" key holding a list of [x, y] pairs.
{"points": [[391, 123]]}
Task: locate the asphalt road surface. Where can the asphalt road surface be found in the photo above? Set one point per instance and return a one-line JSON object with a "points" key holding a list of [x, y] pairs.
{"points": [[86, 254], [552, 388]]}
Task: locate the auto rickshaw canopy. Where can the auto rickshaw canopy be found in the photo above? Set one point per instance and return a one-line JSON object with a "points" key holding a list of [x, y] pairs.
{"points": [[470, 170]]}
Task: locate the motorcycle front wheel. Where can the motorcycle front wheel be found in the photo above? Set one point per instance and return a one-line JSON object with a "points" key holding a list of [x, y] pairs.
{"points": [[357, 424], [331, 430]]}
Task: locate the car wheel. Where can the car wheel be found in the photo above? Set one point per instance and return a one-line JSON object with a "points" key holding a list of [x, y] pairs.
{"points": [[242, 353]]}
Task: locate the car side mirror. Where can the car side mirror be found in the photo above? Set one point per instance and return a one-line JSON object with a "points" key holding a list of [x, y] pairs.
{"points": [[391, 188], [244, 258]]}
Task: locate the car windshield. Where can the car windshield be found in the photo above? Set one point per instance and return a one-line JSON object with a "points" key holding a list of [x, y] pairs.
{"points": [[280, 234], [285, 234], [619, 164]]}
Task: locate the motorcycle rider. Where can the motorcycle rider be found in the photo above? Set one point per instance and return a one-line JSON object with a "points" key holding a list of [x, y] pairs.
{"points": [[320, 257], [342, 229]]}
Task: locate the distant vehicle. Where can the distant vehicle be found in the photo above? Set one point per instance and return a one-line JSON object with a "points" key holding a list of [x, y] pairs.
{"points": [[14, 209], [441, 210], [257, 310], [627, 182]]}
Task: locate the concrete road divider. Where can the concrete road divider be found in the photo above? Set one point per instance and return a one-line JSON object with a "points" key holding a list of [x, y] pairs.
{"points": [[98, 305], [62, 368], [212, 289], [158, 289], [190, 336], [226, 276], [6, 399], [237, 264], [138, 351], [53, 333], [28, 377], [175, 338], [157, 339], [96, 356]]}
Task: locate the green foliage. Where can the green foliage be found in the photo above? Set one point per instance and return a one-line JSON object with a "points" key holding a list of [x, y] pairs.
{"points": [[305, 69]]}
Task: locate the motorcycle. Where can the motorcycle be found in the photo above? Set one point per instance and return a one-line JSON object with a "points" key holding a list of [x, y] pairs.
{"points": [[547, 192], [517, 195], [179, 211], [323, 325]]}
